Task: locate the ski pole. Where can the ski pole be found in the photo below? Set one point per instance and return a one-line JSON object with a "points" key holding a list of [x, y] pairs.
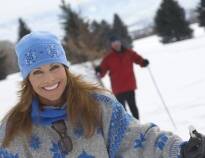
{"points": [[161, 98]]}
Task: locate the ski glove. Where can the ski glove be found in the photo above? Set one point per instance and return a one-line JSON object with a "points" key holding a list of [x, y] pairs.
{"points": [[97, 69], [195, 147], [145, 63]]}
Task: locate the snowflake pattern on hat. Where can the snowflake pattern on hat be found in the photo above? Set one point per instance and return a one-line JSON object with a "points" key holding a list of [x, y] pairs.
{"points": [[30, 57], [53, 51]]}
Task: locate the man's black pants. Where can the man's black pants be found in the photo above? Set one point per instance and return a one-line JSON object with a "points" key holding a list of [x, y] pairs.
{"points": [[129, 97]]}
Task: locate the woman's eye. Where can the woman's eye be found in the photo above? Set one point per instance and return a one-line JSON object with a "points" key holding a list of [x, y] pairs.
{"points": [[54, 67], [37, 72]]}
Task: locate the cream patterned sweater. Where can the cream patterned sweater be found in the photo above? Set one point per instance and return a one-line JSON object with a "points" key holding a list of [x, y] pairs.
{"points": [[121, 136]]}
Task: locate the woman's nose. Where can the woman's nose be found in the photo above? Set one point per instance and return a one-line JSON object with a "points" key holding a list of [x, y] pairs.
{"points": [[49, 78]]}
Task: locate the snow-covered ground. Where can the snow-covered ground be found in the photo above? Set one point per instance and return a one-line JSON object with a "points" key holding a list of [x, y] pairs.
{"points": [[179, 72]]}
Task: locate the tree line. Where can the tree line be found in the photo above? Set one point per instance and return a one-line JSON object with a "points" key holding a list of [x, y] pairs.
{"points": [[86, 40]]}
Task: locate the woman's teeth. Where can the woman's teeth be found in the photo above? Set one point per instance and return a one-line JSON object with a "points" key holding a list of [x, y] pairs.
{"points": [[51, 87]]}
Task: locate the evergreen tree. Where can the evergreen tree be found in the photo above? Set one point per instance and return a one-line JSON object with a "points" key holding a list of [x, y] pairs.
{"points": [[201, 13], [100, 35], [83, 41], [120, 29], [23, 29], [3, 73], [70, 21], [170, 22], [74, 28]]}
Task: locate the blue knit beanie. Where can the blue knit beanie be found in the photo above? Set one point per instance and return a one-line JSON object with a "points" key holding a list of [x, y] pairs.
{"points": [[37, 49]]}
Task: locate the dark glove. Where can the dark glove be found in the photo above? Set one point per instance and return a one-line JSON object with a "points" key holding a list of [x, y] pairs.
{"points": [[194, 148], [145, 63], [97, 69]]}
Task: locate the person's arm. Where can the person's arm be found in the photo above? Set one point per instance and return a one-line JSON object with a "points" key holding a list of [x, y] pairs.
{"points": [[126, 137], [102, 69], [138, 59]]}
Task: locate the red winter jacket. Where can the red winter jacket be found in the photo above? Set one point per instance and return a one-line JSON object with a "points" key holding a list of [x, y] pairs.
{"points": [[120, 68]]}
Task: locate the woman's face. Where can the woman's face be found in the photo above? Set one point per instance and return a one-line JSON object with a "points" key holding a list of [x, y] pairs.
{"points": [[49, 82], [116, 45]]}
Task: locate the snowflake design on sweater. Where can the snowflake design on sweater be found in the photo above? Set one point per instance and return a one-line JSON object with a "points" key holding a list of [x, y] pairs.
{"points": [[53, 50], [30, 57], [56, 151], [102, 98], [5, 154], [35, 142], [139, 143], [85, 155], [161, 141], [119, 123]]}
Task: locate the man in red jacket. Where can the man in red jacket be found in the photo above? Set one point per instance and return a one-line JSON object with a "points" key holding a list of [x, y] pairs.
{"points": [[119, 63]]}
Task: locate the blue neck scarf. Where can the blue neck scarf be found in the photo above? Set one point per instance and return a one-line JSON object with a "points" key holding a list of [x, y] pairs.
{"points": [[48, 115]]}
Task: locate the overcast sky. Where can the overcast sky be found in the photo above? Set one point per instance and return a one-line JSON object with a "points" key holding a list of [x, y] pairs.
{"points": [[44, 14]]}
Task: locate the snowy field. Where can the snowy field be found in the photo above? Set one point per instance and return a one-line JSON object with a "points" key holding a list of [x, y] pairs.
{"points": [[179, 71]]}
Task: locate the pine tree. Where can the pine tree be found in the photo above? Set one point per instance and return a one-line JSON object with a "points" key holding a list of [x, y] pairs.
{"points": [[82, 40], [74, 27], [170, 22], [3, 73], [101, 34], [23, 29], [120, 29], [70, 21], [201, 13]]}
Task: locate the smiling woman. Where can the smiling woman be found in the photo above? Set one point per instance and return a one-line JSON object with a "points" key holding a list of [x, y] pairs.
{"points": [[59, 115]]}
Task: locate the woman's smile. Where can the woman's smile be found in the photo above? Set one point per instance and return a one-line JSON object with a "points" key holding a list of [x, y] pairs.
{"points": [[52, 87]]}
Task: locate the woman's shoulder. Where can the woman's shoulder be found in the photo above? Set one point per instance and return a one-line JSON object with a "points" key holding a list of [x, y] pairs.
{"points": [[105, 98], [108, 103]]}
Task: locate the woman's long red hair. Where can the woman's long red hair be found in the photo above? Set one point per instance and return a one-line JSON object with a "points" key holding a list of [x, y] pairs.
{"points": [[82, 108]]}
